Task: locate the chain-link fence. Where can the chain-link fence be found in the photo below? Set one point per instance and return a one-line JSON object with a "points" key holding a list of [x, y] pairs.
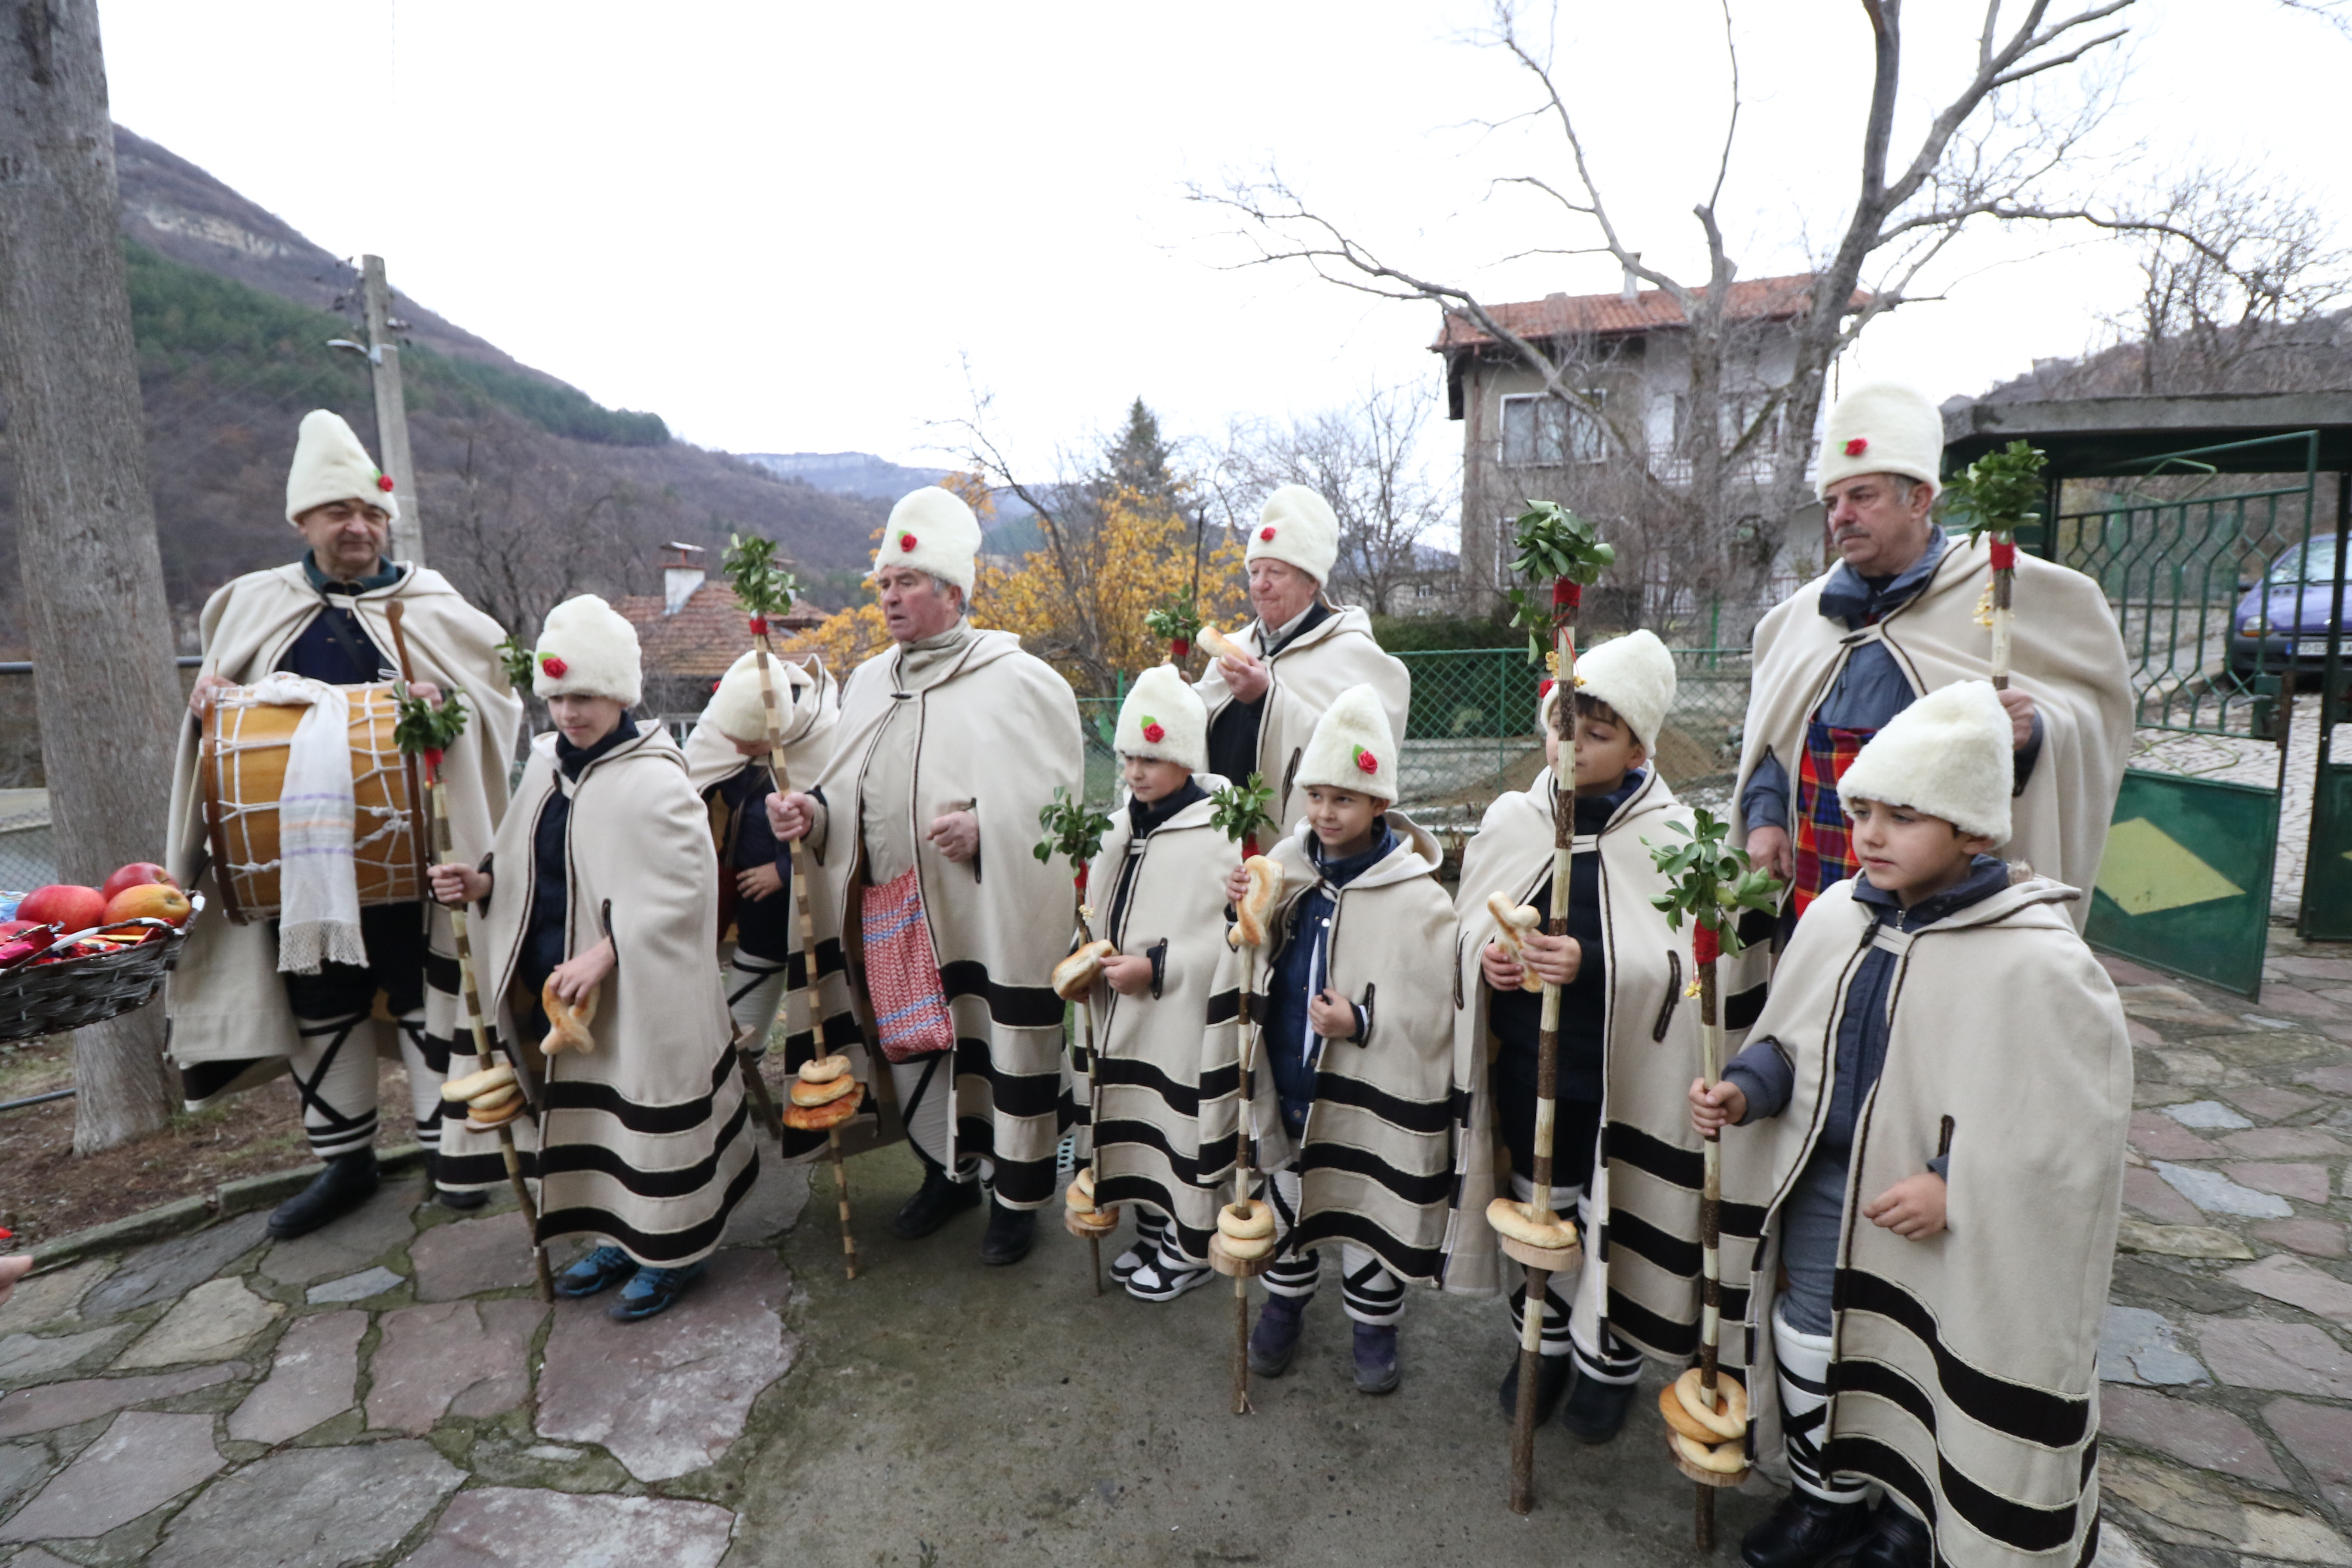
{"points": [[1471, 734]]}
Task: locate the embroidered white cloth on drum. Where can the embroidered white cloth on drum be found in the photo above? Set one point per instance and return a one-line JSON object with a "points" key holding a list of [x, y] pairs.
{"points": [[318, 889]]}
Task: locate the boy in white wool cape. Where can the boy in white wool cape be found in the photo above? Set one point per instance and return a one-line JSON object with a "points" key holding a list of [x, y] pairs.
{"points": [[1626, 1163], [1361, 1070], [1926, 1136], [1159, 884]]}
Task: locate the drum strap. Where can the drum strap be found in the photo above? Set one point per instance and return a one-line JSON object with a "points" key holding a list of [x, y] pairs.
{"points": [[343, 624]]}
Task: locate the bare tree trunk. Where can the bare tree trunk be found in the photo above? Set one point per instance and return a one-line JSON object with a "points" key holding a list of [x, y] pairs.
{"points": [[100, 628]]}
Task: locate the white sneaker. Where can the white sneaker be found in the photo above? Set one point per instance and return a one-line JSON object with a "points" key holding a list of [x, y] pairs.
{"points": [[1163, 1280]]}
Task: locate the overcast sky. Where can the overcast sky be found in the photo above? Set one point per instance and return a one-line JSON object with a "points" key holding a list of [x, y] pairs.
{"points": [[789, 226]]}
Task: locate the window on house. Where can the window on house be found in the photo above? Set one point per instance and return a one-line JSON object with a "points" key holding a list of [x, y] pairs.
{"points": [[1543, 431]]}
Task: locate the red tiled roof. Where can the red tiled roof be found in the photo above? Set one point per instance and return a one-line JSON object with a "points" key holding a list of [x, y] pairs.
{"points": [[1608, 315], [708, 633]]}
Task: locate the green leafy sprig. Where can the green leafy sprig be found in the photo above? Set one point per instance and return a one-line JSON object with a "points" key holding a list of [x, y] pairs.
{"points": [[1712, 880], [1241, 811], [1998, 493], [1552, 543], [1074, 830], [516, 661], [423, 729], [1174, 620], [764, 588]]}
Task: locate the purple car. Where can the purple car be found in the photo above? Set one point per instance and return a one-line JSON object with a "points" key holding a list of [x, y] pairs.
{"points": [[2277, 621]]}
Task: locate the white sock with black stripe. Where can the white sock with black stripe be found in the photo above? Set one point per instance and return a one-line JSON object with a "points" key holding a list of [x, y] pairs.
{"points": [[335, 1075], [424, 1078], [755, 988], [1369, 1292], [1558, 1292], [1804, 1378]]}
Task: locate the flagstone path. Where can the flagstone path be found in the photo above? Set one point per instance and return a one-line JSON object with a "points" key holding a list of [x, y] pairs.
{"points": [[389, 1392]]}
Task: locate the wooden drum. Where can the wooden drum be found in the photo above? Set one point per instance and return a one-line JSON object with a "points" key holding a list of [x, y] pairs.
{"points": [[242, 769]]}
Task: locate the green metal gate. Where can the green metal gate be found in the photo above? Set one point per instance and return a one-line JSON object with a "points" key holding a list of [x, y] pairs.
{"points": [[2208, 585]]}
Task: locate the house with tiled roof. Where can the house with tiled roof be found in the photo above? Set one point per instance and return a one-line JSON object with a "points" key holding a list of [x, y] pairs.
{"points": [[1630, 354], [691, 632]]}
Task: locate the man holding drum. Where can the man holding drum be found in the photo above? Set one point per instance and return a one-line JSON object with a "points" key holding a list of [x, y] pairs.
{"points": [[245, 1002]]}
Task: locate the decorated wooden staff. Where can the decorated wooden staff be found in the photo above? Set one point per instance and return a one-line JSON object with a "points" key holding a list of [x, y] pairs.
{"points": [[1177, 621], [1074, 832], [1998, 494], [424, 732], [767, 591], [1243, 1244], [1560, 549], [1706, 1413]]}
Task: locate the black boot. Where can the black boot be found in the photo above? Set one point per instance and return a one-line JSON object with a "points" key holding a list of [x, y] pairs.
{"points": [[1897, 1540], [1276, 1339], [463, 1199], [1596, 1410], [937, 1200], [1009, 1235], [1804, 1530], [1552, 1382], [349, 1181]]}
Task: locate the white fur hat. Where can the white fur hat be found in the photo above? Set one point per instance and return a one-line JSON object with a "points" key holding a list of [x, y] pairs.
{"points": [[330, 465], [1297, 526], [586, 650], [1351, 748], [1633, 674], [1164, 718], [1884, 427], [934, 532], [737, 708], [1949, 755]]}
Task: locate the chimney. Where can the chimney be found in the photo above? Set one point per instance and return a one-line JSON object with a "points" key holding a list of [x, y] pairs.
{"points": [[681, 575], [1632, 285]]}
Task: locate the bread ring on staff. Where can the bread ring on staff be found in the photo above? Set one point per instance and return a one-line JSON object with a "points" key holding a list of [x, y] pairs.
{"points": [[1264, 886], [1079, 1195], [1251, 1221], [826, 1093], [457, 1090], [824, 1070], [1682, 1420], [1723, 1460], [1729, 1419], [1075, 975], [1247, 1250], [1217, 645], [1512, 924], [567, 1023], [817, 1118], [1096, 1220], [484, 1121], [1518, 1221], [494, 1101]]}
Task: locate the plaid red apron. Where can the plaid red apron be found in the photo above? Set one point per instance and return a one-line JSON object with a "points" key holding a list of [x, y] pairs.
{"points": [[902, 972], [1824, 838]]}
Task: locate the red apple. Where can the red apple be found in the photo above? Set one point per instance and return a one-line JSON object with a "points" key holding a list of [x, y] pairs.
{"points": [[64, 906], [139, 873]]}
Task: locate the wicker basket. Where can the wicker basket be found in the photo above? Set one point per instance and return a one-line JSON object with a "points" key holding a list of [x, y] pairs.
{"points": [[50, 998]]}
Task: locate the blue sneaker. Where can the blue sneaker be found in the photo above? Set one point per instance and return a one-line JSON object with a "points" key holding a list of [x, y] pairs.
{"points": [[652, 1291], [600, 1270]]}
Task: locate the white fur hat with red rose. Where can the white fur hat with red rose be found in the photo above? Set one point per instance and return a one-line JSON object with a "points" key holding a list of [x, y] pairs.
{"points": [[932, 531], [330, 465], [1163, 719], [1351, 748], [1298, 527], [586, 650], [1634, 675], [741, 711], [1885, 427], [1949, 755]]}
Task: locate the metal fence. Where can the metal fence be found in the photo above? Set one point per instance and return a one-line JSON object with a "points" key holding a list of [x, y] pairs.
{"points": [[1470, 733]]}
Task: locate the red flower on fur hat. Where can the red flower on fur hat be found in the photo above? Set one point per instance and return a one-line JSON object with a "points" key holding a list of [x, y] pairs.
{"points": [[1857, 447], [906, 542], [1153, 732], [759, 626], [384, 483], [555, 668], [1265, 533], [1366, 762]]}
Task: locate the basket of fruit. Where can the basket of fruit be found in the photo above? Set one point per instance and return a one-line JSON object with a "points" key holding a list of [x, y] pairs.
{"points": [[72, 956]]}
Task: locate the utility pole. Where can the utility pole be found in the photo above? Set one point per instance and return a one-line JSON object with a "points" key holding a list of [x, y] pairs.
{"points": [[391, 411], [93, 605]]}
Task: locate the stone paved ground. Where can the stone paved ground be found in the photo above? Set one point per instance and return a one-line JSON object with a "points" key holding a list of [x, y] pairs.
{"points": [[388, 1392]]}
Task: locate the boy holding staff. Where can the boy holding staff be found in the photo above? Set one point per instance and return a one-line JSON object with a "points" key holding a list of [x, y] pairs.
{"points": [[1937, 1089]]}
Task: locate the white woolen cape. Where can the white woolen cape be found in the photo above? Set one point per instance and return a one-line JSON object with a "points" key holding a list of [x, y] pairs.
{"points": [[231, 1026], [1307, 675], [1965, 1377]]}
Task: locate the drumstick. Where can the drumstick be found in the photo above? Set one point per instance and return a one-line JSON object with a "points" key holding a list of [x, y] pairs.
{"points": [[446, 855]]}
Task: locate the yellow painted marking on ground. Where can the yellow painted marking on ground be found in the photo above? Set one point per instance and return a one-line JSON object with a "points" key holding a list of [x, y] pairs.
{"points": [[2146, 870]]}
